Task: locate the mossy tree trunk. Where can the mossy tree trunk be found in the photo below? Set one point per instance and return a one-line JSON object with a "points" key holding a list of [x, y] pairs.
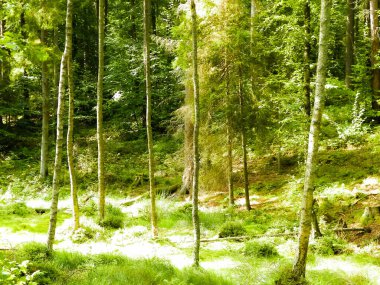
{"points": [[299, 266], [148, 86], [99, 110], [59, 138], [195, 214], [375, 45]]}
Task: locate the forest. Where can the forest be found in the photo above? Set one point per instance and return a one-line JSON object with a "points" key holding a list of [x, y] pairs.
{"points": [[198, 142]]}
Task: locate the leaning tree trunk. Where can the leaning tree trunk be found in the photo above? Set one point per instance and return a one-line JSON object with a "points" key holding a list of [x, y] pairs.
{"points": [[70, 144], [299, 266], [350, 41], [375, 45], [152, 190], [195, 214], [99, 112], [59, 140]]}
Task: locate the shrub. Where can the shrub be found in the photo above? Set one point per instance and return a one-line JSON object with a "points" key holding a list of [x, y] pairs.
{"points": [[329, 245], [19, 209], [260, 249], [232, 229], [114, 218], [34, 251]]}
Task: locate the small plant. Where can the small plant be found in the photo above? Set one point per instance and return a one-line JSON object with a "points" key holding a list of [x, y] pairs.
{"points": [[14, 273], [232, 229], [260, 249], [83, 234], [19, 209], [34, 251], [114, 218]]}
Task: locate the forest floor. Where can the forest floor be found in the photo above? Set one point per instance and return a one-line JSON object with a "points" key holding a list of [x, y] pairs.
{"points": [[347, 182]]}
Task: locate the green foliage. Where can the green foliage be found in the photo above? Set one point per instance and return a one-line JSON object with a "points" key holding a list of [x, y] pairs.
{"points": [[114, 218], [18, 209], [34, 251], [232, 229], [259, 249], [14, 273], [329, 245]]}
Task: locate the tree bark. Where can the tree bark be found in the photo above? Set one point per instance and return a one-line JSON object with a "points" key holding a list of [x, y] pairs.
{"points": [[375, 45], [148, 86], [45, 114], [244, 142], [59, 140], [70, 144], [307, 50], [195, 214], [299, 266], [99, 110], [350, 33]]}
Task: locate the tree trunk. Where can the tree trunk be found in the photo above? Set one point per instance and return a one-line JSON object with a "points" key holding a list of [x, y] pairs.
{"points": [[244, 142], [299, 266], [99, 111], [314, 215], [26, 93], [229, 166], [152, 190], [59, 140], [188, 172], [70, 132], [307, 50], [350, 41], [375, 45], [45, 115], [195, 214]]}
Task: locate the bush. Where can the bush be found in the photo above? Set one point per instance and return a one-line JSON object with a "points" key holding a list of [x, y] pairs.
{"points": [[232, 229], [260, 249], [114, 218], [34, 251], [19, 209], [329, 245]]}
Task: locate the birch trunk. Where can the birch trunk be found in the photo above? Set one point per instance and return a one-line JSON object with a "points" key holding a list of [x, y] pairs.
{"points": [[148, 83], [70, 132], [59, 139], [195, 214], [99, 111], [299, 266]]}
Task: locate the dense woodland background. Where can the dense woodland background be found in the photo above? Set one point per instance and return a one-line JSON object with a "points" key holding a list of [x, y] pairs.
{"points": [[124, 110]]}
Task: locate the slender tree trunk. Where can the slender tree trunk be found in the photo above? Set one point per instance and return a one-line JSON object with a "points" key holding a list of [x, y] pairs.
{"points": [[195, 214], [26, 93], [244, 142], [70, 144], [59, 140], [350, 35], [307, 50], [99, 112], [45, 115], [375, 45], [152, 190], [229, 166], [188, 172], [299, 266]]}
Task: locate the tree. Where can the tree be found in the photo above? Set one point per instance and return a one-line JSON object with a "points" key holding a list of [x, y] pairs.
{"points": [[299, 266], [375, 46], [59, 138], [307, 51], [99, 110], [350, 33], [148, 90], [195, 214]]}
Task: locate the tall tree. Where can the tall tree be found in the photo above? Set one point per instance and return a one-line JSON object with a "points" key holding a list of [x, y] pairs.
{"points": [[375, 46], [195, 214], [148, 90], [99, 110], [299, 266], [59, 138], [350, 33], [307, 50], [45, 113], [70, 142]]}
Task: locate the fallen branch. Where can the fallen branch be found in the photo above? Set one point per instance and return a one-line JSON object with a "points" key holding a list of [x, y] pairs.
{"points": [[247, 237], [366, 230]]}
